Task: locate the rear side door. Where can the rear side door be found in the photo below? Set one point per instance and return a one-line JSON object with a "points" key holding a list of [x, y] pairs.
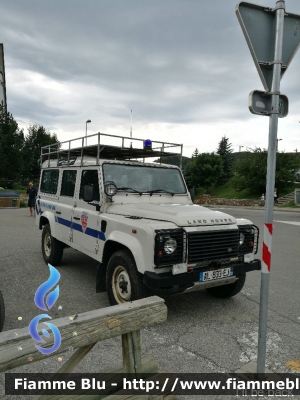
{"points": [[64, 210], [48, 195]]}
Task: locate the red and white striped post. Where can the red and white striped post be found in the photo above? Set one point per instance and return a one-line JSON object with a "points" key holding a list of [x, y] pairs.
{"points": [[268, 227], [267, 247]]}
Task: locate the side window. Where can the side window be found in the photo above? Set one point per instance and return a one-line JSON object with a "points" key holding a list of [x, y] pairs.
{"points": [[68, 183], [49, 181], [90, 177]]}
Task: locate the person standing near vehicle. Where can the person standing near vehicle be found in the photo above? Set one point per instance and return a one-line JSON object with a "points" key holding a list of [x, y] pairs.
{"points": [[275, 196], [31, 195]]}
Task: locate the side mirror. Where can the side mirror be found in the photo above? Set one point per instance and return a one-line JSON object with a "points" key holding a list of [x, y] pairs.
{"points": [[88, 193], [192, 193]]}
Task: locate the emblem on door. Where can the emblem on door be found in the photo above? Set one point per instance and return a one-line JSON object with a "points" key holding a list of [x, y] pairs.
{"points": [[84, 220]]}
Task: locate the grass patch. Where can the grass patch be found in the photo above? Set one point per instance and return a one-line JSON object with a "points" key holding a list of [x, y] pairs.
{"points": [[227, 191], [290, 204]]}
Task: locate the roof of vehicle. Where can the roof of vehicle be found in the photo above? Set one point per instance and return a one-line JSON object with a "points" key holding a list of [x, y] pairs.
{"points": [[86, 161]]}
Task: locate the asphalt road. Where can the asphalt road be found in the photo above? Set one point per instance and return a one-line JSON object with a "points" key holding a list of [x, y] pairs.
{"points": [[202, 334]]}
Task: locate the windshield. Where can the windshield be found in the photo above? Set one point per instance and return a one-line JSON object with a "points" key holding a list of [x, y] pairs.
{"points": [[144, 179]]}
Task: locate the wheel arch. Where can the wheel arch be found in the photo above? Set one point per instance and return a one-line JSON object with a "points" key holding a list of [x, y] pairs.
{"points": [[122, 241], [48, 218], [111, 246]]}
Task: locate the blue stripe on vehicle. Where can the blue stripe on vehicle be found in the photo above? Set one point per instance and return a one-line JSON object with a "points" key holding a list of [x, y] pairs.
{"points": [[77, 227], [63, 221]]}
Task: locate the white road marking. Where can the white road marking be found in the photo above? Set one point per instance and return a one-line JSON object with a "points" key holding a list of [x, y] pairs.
{"points": [[289, 222]]}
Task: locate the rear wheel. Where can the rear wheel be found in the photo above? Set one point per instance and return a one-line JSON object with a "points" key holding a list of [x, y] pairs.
{"points": [[2, 312], [123, 281], [52, 248], [226, 291]]}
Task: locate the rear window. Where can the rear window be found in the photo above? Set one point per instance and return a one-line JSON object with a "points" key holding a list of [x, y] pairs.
{"points": [[49, 181], [68, 183]]}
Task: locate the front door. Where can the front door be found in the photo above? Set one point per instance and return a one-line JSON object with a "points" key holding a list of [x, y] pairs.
{"points": [[85, 219]]}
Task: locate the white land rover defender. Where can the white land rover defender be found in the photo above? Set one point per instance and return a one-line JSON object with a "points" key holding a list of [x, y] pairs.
{"points": [[138, 220]]}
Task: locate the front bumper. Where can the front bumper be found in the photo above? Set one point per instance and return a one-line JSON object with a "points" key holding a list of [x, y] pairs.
{"points": [[157, 281]]}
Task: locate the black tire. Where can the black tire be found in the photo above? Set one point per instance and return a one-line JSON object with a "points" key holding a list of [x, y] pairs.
{"points": [[2, 312], [123, 281], [226, 291], [52, 248]]}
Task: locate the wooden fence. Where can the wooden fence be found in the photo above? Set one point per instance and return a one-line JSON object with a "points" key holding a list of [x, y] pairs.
{"points": [[83, 332]]}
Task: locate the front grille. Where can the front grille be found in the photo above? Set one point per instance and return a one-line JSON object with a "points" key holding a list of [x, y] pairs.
{"points": [[213, 245]]}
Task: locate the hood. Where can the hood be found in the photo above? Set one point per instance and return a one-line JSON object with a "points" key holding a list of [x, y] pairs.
{"points": [[181, 215]]}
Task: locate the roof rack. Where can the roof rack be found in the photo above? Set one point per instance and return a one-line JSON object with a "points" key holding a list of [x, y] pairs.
{"points": [[119, 148]]}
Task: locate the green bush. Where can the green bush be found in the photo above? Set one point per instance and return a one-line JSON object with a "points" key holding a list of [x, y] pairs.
{"points": [[23, 204]]}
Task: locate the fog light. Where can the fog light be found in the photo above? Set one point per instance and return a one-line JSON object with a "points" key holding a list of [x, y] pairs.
{"points": [[110, 189]]}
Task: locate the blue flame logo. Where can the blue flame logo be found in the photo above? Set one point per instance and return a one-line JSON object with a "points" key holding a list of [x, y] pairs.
{"points": [[45, 287], [49, 302]]}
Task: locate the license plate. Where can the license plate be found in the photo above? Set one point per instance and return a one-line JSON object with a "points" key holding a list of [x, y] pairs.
{"points": [[216, 274]]}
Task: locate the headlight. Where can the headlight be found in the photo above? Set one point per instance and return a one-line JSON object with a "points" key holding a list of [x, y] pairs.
{"points": [[170, 246], [242, 238], [110, 189]]}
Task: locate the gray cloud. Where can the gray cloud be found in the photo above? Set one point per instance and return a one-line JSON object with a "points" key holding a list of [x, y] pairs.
{"points": [[181, 63]]}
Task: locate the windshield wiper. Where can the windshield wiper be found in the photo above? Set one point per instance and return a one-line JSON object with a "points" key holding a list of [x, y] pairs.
{"points": [[160, 191], [129, 189]]}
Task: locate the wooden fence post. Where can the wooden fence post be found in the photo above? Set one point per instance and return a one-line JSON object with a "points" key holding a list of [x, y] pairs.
{"points": [[131, 351]]}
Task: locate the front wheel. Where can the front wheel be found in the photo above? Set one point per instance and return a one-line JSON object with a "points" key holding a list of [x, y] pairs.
{"points": [[123, 281], [226, 291], [52, 248]]}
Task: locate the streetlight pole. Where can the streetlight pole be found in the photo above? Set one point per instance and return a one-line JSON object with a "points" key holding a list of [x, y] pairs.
{"points": [[87, 122], [240, 148], [271, 167]]}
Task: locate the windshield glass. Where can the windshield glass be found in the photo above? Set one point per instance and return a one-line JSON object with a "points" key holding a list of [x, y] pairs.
{"points": [[143, 178]]}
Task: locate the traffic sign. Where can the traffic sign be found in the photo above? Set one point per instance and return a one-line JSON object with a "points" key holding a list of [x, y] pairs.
{"points": [[258, 24], [260, 103]]}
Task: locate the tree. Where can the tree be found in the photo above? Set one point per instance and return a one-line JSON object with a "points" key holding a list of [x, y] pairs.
{"points": [[195, 154], [11, 143], [225, 152], [205, 170], [37, 137], [251, 171], [175, 160]]}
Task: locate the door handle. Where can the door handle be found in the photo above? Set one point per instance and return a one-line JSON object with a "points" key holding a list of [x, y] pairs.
{"points": [[57, 212], [78, 218]]}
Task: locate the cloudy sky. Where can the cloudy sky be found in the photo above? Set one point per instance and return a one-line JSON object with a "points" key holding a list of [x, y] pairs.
{"points": [[182, 66]]}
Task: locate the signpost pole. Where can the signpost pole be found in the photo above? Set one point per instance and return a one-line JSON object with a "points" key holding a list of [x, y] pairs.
{"points": [[268, 227]]}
